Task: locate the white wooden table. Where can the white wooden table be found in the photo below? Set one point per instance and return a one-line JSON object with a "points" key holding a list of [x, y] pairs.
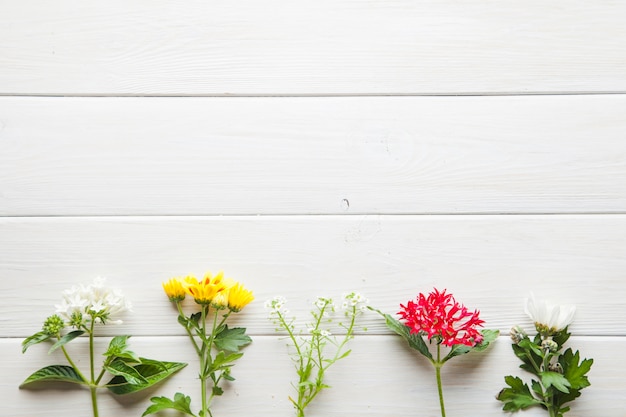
{"points": [[313, 148]]}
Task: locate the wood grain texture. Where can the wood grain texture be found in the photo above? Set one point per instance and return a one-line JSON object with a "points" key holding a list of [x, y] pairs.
{"points": [[489, 262], [187, 156], [382, 377], [326, 47]]}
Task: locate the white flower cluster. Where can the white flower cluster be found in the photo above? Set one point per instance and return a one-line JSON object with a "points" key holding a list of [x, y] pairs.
{"points": [[95, 300], [354, 299], [276, 306]]}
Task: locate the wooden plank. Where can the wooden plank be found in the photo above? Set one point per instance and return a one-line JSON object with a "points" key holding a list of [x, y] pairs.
{"points": [[109, 156], [322, 47], [490, 263], [381, 377]]}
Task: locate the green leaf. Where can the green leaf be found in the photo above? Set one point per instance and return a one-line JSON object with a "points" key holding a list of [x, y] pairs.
{"points": [[222, 361], [561, 337], [556, 380], [118, 348], [149, 371], [232, 339], [457, 350], [574, 371], [414, 340], [34, 339], [66, 339], [62, 373], [180, 403], [119, 368], [518, 396], [489, 336]]}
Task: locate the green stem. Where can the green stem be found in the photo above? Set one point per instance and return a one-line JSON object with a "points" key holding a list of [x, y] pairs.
{"points": [[206, 348], [438, 364], [71, 362], [193, 341], [553, 412], [93, 385], [94, 401]]}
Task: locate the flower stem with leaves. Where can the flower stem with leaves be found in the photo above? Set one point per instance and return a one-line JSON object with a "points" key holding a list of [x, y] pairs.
{"points": [[560, 376], [82, 308], [442, 320], [217, 345], [310, 355]]}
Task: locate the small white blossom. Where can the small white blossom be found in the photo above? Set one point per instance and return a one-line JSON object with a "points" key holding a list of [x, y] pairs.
{"points": [[354, 299], [549, 318], [276, 306]]}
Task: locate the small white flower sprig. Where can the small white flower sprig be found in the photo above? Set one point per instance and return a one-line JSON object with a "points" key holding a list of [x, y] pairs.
{"points": [[310, 356], [84, 308], [560, 375]]}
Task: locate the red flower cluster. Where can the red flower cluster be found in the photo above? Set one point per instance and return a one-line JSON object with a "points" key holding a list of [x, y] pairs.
{"points": [[440, 316]]}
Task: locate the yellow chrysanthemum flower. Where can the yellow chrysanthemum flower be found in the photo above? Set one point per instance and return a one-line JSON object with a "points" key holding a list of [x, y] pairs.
{"points": [[204, 291], [174, 290], [239, 297]]}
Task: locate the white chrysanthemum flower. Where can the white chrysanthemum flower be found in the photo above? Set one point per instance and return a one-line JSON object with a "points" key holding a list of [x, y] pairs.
{"points": [[549, 318], [95, 302]]}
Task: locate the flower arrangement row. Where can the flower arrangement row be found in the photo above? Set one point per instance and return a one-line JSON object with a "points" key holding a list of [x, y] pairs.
{"points": [[435, 319]]}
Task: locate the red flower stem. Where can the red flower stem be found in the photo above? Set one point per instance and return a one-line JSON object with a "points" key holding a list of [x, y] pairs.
{"points": [[438, 364]]}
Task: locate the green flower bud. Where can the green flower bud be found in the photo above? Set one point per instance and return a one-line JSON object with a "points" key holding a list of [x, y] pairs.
{"points": [[53, 325], [517, 334], [549, 345]]}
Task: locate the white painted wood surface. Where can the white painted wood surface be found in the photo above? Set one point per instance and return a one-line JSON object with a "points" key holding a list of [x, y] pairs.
{"points": [[390, 190], [348, 155], [279, 47]]}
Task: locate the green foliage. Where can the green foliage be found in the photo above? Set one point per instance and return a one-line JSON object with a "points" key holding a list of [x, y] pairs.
{"points": [[61, 373], [232, 340], [146, 374], [217, 347], [118, 348], [414, 340], [66, 339], [130, 372], [180, 403], [318, 350], [517, 396], [34, 339], [560, 376]]}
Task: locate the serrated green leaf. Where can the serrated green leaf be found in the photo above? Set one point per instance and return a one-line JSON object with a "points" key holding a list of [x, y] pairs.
{"points": [[414, 340], [537, 388], [66, 339], [556, 380], [62, 373], [152, 373], [532, 346], [217, 390], [573, 370], [34, 339], [561, 337], [517, 396], [180, 403], [232, 340], [222, 361]]}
